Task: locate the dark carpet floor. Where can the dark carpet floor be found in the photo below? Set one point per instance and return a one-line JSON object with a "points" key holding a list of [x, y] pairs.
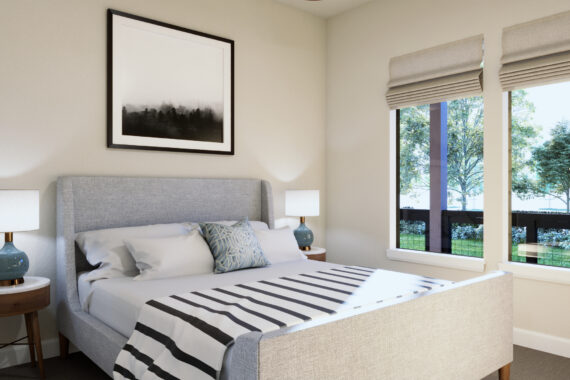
{"points": [[76, 367], [528, 365]]}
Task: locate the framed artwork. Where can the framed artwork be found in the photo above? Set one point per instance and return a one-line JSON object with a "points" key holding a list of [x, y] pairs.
{"points": [[169, 88]]}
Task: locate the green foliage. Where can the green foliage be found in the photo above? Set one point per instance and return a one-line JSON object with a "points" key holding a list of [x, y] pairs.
{"points": [[552, 164], [467, 231], [415, 227], [544, 170], [465, 148], [523, 136], [414, 148], [553, 237], [518, 235]]}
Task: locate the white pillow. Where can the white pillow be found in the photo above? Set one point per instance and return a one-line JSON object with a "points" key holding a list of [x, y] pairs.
{"points": [[173, 256], [279, 245], [107, 249]]}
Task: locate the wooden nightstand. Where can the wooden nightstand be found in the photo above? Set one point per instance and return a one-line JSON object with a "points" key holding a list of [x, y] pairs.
{"points": [[316, 253], [27, 299]]}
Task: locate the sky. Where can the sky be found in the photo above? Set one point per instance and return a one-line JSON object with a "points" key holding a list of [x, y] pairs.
{"points": [[552, 104]]}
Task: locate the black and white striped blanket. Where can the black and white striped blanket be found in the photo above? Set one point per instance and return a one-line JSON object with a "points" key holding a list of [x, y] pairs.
{"points": [[185, 336]]}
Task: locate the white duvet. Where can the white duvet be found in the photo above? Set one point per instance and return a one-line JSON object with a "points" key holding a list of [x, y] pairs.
{"points": [[117, 301]]}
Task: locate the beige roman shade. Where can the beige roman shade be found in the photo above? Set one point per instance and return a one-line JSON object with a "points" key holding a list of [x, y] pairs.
{"points": [[437, 74], [536, 52]]}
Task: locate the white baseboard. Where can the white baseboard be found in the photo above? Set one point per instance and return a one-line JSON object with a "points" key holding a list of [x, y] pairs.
{"points": [[542, 342], [16, 355]]}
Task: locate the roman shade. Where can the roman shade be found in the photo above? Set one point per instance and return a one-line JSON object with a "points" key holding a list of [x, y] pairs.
{"points": [[536, 52], [437, 74]]}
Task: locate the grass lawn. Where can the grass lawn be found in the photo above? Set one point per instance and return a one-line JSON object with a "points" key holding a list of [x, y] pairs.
{"points": [[413, 241], [557, 257], [472, 248]]}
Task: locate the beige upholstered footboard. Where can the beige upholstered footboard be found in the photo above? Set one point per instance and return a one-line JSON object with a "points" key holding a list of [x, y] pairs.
{"points": [[462, 332]]}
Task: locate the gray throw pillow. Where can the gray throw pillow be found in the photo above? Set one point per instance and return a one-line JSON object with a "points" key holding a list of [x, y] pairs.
{"points": [[233, 247]]}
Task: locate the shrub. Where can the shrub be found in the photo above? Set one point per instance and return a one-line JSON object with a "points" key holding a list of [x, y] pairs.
{"points": [[518, 235], [554, 237], [466, 231], [415, 227]]}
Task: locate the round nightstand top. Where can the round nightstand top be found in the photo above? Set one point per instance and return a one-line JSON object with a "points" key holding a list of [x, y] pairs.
{"points": [[30, 283], [315, 251]]}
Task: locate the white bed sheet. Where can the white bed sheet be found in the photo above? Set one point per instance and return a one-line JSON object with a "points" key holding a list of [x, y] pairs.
{"points": [[117, 301], [84, 289]]}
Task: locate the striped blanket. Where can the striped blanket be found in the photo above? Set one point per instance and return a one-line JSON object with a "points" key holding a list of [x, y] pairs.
{"points": [[185, 336]]}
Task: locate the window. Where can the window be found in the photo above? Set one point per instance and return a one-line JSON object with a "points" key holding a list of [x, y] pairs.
{"points": [[540, 175], [438, 148], [440, 177]]}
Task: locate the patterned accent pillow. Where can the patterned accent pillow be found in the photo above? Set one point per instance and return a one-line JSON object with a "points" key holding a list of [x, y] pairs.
{"points": [[234, 247]]}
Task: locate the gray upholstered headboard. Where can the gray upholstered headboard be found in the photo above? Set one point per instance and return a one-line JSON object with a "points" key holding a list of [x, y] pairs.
{"points": [[108, 202], [90, 203]]}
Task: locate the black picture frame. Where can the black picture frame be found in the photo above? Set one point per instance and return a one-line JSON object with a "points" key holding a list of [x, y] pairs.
{"points": [[169, 88]]}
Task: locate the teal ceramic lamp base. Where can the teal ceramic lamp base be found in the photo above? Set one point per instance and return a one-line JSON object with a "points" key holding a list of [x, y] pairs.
{"points": [[304, 236], [13, 264]]}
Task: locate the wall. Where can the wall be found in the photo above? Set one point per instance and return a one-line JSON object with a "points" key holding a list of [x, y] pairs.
{"points": [[53, 113], [359, 46]]}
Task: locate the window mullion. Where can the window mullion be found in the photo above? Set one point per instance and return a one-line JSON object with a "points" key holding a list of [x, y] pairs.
{"points": [[438, 241]]}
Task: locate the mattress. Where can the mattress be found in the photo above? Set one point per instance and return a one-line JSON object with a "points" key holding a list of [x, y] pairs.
{"points": [[117, 301]]}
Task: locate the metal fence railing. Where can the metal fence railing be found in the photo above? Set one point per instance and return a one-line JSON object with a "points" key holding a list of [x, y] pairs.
{"points": [[538, 237], [457, 236]]}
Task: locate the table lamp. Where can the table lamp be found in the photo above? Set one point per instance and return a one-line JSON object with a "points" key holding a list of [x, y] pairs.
{"points": [[302, 203], [19, 211]]}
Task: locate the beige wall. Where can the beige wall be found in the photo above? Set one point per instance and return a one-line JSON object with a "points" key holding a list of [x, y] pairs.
{"points": [[53, 115], [359, 46]]}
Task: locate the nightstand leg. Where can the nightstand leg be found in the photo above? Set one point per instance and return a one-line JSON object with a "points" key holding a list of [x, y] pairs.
{"points": [[30, 331], [38, 342]]}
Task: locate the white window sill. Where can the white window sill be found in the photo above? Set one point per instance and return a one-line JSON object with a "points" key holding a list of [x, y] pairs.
{"points": [[537, 272], [473, 264]]}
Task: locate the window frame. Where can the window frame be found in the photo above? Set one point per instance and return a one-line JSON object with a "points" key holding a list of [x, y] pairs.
{"points": [[530, 271], [445, 260]]}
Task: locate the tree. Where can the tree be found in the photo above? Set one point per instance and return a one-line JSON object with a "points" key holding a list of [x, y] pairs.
{"points": [[414, 148], [465, 145], [523, 136], [552, 165], [465, 148]]}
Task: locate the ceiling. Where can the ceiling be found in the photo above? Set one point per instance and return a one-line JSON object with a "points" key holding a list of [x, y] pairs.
{"points": [[324, 8]]}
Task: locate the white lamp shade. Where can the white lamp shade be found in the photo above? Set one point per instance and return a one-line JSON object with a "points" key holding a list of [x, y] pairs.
{"points": [[19, 210], [302, 203]]}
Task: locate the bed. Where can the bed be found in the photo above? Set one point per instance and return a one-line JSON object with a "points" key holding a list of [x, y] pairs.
{"points": [[460, 331]]}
